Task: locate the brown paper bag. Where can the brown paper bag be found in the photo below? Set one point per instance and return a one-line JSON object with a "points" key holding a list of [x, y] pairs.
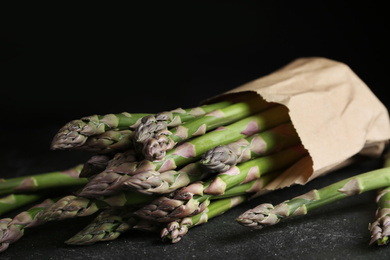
{"points": [[335, 114]]}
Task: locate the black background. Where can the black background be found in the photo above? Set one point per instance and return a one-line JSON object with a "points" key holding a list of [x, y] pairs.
{"points": [[59, 63]]}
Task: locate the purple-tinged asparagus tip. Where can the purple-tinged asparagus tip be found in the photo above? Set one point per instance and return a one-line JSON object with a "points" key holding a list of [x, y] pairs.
{"points": [[219, 159], [155, 148]]}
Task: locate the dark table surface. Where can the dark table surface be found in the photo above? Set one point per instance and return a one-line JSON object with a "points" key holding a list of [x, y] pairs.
{"points": [[60, 66]]}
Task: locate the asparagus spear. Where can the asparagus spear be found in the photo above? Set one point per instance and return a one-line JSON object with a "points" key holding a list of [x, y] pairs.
{"points": [[12, 230], [153, 182], [195, 197], [175, 230], [95, 165], [153, 123], [42, 181], [74, 206], [3, 227], [122, 168], [109, 225], [108, 183], [156, 146], [76, 132], [266, 214], [222, 157], [380, 229], [15, 201], [108, 142]]}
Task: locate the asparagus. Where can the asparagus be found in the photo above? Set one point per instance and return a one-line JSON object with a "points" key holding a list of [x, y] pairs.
{"points": [[72, 206], [153, 182], [254, 186], [109, 225], [42, 181], [195, 197], [3, 227], [156, 146], [15, 201], [12, 230], [266, 214], [222, 157], [175, 230], [108, 183], [111, 141], [380, 229], [76, 132], [95, 165], [122, 168], [151, 124]]}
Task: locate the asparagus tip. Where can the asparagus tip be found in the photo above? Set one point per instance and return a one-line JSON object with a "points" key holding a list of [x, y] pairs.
{"points": [[174, 232], [69, 136], [380, 230], [258, 217], [156, 147]]}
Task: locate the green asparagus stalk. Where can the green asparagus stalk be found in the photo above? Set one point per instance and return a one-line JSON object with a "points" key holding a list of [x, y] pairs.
{"points": [[111, 141], [156, 146], [254, 186], [182, 154], [222, 157], [109, 225], [266, 214], [42, 181], [152, 124], [175, 230], [195, 197], [11, 230], [380, 228], [76, 132], [72, 206], [15, 201]]}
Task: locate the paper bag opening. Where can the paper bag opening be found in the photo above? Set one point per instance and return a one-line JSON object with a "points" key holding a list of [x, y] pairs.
{"points": [[334, 112]]}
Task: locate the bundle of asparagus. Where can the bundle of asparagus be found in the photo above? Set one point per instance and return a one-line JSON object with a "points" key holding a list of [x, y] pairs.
{"points": [[166, 171], [169, 172]]}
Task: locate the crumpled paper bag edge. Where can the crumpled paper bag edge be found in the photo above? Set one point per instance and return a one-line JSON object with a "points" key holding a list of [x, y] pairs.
{"points": [[370, 148]]}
